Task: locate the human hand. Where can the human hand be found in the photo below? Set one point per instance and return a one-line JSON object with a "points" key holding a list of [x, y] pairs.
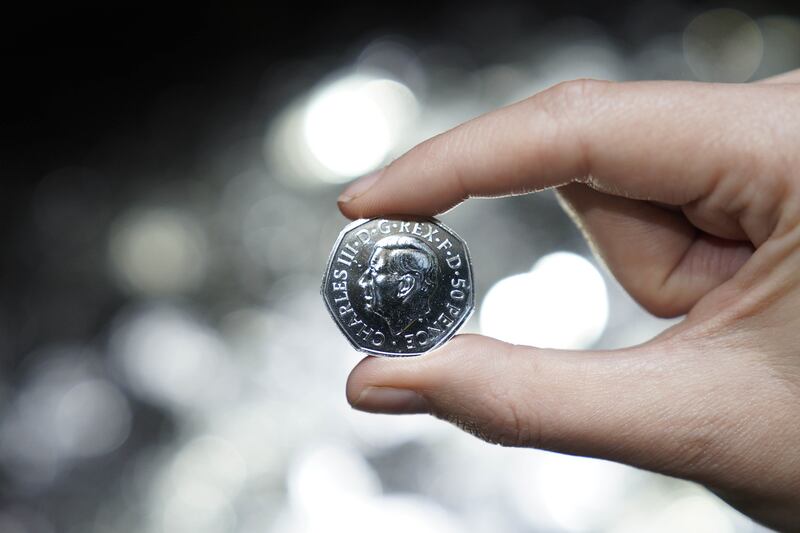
{"points": [[690, 193]]}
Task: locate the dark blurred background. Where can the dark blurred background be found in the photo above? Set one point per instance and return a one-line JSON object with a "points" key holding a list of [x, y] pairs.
{"points": [[168, 202]]}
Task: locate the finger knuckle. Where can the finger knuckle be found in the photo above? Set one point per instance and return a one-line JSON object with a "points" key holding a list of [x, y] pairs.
{"points": [[567, 108], [502, 425], [434, 150], [502, 415], [512, 421], [511, 428], [573, 96]]}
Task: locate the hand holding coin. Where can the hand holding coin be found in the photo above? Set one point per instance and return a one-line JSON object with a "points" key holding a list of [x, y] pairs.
{"points": [[691, 195]]}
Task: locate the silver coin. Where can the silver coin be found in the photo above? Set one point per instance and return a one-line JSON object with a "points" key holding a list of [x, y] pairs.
{"points": [[398, 286]]}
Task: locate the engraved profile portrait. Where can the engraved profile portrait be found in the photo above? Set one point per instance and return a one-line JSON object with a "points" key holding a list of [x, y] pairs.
{"points": [[399, 280]]}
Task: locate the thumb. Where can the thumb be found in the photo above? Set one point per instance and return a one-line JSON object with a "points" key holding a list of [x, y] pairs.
{"points": [[654, 406]]}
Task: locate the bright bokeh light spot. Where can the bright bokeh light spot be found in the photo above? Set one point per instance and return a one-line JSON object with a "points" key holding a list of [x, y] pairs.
{"points": [[195, 492], [64, 412], [692, 512], [723, 45], [351, 125], [169, 358], [158, 251], [325, 481], [209, 460], [198, 508], [400, 513], [568, 492], [404, 513], [93, 418], [580, 493], [561, 303], [256, 430]]}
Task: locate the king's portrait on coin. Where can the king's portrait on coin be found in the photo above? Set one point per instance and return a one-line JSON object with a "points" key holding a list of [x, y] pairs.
{"points": [[400, 277]]}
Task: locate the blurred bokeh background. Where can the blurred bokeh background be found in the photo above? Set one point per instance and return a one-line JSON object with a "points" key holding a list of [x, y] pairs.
{"points": [[168, 203]]}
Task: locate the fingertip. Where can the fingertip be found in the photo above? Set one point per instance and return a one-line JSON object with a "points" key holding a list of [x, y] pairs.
{"points": [[461, 354], [362, 206], [347, 209], [357, 189], [389, 400], [357, 380], [370, 389], [398, 385]]}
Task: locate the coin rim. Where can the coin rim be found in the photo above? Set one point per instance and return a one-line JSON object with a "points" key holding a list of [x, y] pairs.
{"points": [[444, 338]]}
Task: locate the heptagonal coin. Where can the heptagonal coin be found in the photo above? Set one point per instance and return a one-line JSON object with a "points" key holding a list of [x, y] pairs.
{"points": [[398, 286]]}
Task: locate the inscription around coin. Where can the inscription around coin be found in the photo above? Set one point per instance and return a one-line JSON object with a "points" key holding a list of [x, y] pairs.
{"points": [[398, 286]]}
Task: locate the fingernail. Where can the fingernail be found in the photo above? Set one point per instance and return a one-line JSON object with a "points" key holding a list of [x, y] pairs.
{"points": [[389, 400], [359, 187]]}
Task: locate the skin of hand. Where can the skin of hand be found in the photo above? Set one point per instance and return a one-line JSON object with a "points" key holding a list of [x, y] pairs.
{"points": [[690, 194]]}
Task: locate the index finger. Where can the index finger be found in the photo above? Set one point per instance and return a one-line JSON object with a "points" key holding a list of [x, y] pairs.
{"points": [[663, 141]]}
